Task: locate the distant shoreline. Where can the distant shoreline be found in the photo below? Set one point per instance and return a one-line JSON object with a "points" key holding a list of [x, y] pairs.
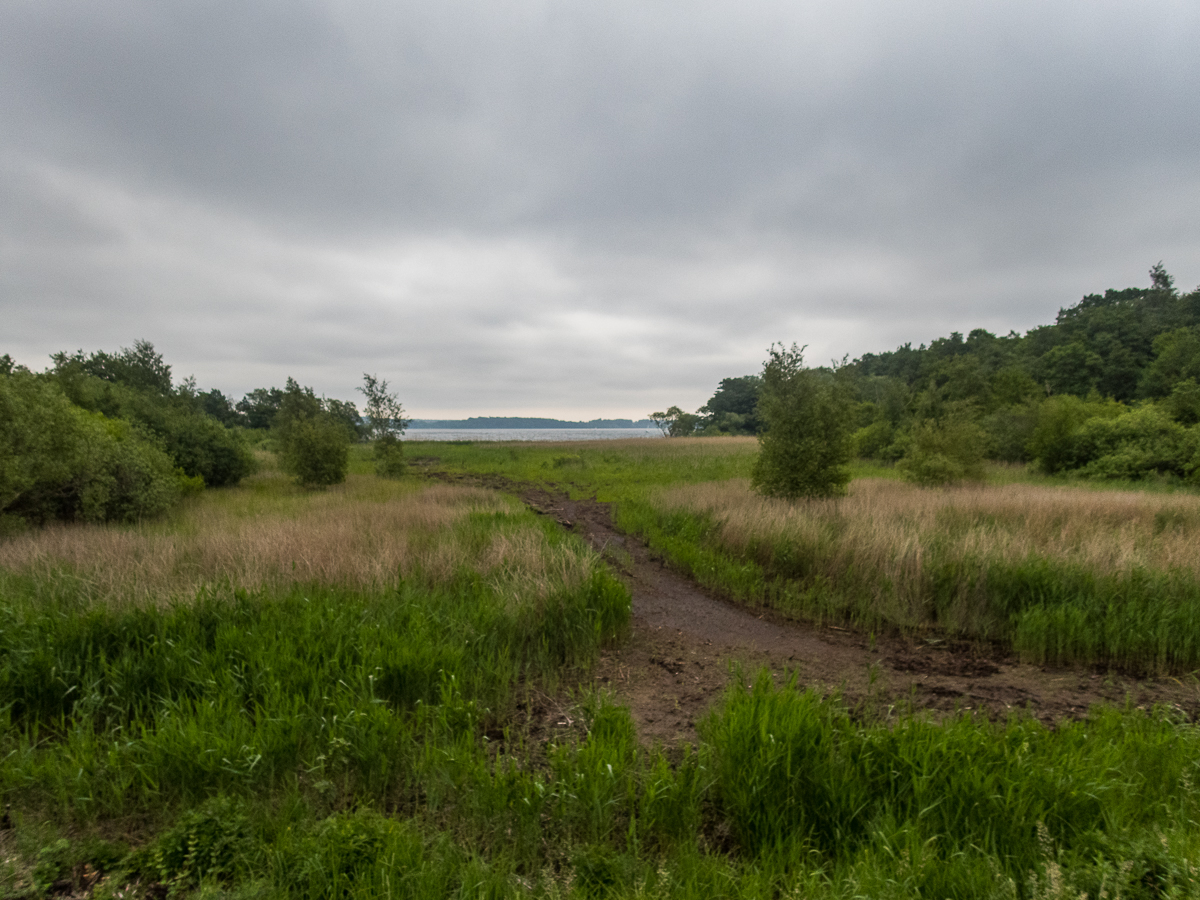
{"points": [[509, 422]]}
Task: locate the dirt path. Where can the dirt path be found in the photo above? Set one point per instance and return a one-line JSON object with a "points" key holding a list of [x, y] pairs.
{"points": [[684, 639]]}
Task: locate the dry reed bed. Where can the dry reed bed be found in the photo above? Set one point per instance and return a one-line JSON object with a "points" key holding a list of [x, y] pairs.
{"points": [[891, 526], [351, 537]]}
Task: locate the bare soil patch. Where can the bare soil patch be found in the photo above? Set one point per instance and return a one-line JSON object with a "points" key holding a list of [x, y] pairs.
{"points": [[687, 643]]}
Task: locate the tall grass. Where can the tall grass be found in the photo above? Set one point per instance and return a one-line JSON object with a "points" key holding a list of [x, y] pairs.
{"points": [[363, 535], [362, 721], [1066, 574], [960, 808]]}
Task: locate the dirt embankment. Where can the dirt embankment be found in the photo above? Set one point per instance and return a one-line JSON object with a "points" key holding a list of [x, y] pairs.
{"points": [[685, 639]]}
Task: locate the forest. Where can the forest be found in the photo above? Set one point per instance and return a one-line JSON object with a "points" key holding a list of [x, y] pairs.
{"points": [[1108, 391]]}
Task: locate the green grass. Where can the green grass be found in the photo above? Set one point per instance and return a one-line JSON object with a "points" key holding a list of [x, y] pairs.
{"points": [[1051, 610], [612, 470], [318, 740]]}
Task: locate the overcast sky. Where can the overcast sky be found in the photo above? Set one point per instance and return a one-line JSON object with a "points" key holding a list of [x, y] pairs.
{"points": [[574, 208]]}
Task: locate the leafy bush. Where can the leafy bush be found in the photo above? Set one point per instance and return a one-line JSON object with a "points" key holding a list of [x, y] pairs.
{"points": [[946, 451], [316, 451], [1009, 431], [58, 461], [875, 440], [1144, 441], [314, 447], [1115, 441], [199, 444], [1184, 403], [205, 843], [389, 457], [807, 442], [1053, 441]]}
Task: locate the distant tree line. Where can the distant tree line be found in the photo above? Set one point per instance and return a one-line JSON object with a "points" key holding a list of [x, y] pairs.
{"points": [[1110, 390], [110, 437]]}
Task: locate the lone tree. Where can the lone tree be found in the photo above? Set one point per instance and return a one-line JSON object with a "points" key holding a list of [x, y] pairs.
{"points": [[385, 424], [806, 441]]}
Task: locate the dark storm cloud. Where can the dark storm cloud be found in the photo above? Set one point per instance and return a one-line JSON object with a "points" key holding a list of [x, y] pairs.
{"points": [[578, 208]]}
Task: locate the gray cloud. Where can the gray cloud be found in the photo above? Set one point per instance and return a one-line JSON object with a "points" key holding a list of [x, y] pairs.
{"points": [[578, 209]]}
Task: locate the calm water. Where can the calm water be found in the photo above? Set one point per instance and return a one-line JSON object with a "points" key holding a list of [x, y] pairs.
{"points": [[528, 434]]}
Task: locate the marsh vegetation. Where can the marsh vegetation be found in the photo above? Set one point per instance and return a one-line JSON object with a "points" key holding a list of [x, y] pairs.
{"points": [[370, 690]]}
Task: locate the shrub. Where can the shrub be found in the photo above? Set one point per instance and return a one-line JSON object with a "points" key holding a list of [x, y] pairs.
{"points": [[1053, 441], [875, 440], [945, 451], [205, 843], [1009, 430], [313, 446], [1142, 442], [58, 461], [199, 444], [315, 451], [807, 442], [389, 457]]}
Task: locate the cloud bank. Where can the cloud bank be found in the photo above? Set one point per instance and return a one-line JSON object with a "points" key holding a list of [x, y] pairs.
{"points": [[553, 208]]}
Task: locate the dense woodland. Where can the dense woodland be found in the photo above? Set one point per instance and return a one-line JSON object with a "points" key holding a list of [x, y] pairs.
{"points": [[1110, 390]]}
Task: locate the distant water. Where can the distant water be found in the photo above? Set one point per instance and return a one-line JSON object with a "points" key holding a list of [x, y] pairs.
{"points": [[528, 434]]}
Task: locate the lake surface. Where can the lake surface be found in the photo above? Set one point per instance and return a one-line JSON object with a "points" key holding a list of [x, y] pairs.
{"points": [[528, 434]]}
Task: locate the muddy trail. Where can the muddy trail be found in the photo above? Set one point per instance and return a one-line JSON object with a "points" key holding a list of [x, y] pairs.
{"points": [[685, 640]]}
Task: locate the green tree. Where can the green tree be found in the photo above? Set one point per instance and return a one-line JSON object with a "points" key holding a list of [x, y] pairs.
{"points": [[384, 426], [945, 450], [733, 408], [259, 407], [220, 407], [806, 444], [314, 447], [345, 412], [1176, 358], [140, 367], [1160, 279], [675, 422]]}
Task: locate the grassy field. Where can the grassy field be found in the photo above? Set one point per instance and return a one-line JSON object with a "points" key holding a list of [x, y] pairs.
{"points": [[1066, 573], [345, 693]]}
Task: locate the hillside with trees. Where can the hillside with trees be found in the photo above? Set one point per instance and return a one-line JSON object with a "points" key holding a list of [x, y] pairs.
{"points": [[1111, 389]]}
